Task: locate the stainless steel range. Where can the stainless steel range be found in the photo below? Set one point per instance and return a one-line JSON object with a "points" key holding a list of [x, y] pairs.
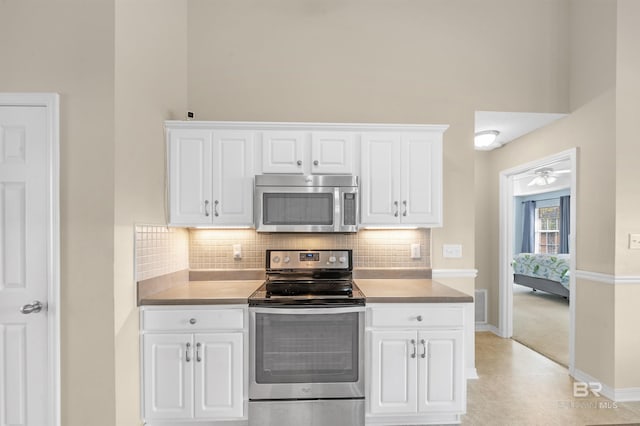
{"points": [[307, 339]]}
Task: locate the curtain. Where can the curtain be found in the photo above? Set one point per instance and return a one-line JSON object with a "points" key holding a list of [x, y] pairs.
{"points": [[564, 224], [528, 227]]}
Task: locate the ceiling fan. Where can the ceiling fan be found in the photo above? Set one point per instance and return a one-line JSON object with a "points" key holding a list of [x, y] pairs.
{"points": [[546, 176]]}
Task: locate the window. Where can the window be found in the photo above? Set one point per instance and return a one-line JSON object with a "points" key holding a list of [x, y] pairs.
{"points": [[548, 229]]}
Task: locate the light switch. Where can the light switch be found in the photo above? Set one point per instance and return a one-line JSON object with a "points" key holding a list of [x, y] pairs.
{"points": [[237, 251], [452, 250], [634, 241]]}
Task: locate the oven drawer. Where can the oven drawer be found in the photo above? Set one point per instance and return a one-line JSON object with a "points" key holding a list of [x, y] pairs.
{"points": [[416, 315], [193, 319]]}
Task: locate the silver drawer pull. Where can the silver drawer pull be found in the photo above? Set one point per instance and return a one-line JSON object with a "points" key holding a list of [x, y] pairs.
{"points": [[206, 208], [198, 345], [299, 162], [193, 321], [419, 318], [415, 350], [187, 353], [404, 203], [315, 162], [395, 205], [424, 348], [215, 208]]}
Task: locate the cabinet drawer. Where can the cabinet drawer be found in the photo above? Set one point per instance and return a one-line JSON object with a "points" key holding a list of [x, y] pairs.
{"points": [[417, 316], [192, 319]]}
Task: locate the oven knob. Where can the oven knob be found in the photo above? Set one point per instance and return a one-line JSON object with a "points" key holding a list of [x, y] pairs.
{"points": [[287, 259], [342, 259], [332, 259], [276, 259]]}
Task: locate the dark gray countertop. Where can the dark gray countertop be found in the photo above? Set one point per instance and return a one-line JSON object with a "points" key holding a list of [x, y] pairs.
{"points": [[375, 290]]}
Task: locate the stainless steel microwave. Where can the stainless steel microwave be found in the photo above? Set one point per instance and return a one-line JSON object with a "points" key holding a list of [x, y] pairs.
{"points": [[306, 203]]}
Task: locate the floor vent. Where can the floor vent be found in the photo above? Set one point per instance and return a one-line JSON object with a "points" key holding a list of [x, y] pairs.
{"points": [[481, 306]]}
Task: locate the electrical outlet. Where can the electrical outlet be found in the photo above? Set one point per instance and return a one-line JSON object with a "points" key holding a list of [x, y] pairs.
{"points": [[634, 241], [415, 251], [237, 251], [452, 250]]}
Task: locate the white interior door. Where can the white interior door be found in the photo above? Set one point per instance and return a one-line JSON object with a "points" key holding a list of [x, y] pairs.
{"points": [[26, 263]]}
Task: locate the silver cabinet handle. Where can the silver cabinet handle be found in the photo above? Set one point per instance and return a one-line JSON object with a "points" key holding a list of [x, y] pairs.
{"points": [[215, 208], [299, 162], [404, 203], [419, 318], [193, 321], [198, 345], [315, 162], [32, 308], [395, 204], [187, 353], [206, 208], [413, 342], [424, 349]]}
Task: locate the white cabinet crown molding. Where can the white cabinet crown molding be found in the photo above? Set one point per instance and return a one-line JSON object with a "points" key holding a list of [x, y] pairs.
{"points": [[266, 125]]}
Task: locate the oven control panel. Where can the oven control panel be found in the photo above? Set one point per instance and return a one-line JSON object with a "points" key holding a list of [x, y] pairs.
{"points": [[308, 259]]}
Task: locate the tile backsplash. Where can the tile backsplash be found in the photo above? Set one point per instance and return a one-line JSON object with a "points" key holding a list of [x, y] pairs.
{"points": [[213, 248], [160, 250]]}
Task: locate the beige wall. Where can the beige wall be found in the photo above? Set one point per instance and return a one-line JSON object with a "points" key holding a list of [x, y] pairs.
{"points": [[67, 47], [150, 86], [380, 61], [627, 297]]}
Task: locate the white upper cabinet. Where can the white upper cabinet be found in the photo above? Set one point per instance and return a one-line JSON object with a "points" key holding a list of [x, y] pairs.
{"points": [[210, 177], [401, 181], [283, 152], [294, 152]]}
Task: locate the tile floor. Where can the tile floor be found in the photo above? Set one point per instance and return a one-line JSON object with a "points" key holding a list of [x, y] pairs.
{"points": [[518, 386]]}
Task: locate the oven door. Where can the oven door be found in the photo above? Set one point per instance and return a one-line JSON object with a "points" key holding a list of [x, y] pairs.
{"points": [[306, 353]]}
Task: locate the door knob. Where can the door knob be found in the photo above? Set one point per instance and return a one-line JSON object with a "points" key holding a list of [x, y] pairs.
{"points": [[32, 308]]}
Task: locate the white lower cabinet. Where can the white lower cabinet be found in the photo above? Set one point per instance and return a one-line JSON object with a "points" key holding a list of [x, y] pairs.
{"points": [[193, 364], [415, 364]]}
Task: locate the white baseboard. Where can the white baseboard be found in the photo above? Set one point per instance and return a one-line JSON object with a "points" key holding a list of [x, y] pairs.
{"points": [[472, 373], [487, 327], [617, 395]]}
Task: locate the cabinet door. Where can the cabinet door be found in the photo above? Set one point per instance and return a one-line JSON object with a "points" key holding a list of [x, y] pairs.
{"points": [[190, 191], [232, 178], [421, 196], [168, 376], [380, 193], [442, 385], [332, 152], [393, 372], [283, 152], [219, 375]]}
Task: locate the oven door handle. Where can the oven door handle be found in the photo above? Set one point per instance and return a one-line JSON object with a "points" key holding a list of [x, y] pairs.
{"points": [[315, 311]]}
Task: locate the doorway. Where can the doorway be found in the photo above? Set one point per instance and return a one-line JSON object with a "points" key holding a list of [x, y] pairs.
{"points": [[509, 181]]}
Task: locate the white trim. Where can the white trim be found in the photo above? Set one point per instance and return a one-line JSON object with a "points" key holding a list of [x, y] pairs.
{"points": [[628, 279], [265, 125], [608, 278], [50, 101], [488, 327], [506, 241], [581, 376], [454, 273], [595, 277], [627, 394], [472, 374]]}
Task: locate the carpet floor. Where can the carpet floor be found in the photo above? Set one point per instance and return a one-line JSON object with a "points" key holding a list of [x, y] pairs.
{"points": [[541, 322]]}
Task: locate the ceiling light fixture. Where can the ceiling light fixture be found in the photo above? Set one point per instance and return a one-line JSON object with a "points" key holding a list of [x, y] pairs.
{"points": [[485, 138]]}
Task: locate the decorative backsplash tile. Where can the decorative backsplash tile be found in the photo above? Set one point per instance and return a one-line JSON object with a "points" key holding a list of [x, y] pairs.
{"points": [[160, 250], [213, 248]]}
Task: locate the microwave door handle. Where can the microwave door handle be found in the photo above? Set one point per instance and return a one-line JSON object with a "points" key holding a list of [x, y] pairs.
{"points": [[337, 210]]}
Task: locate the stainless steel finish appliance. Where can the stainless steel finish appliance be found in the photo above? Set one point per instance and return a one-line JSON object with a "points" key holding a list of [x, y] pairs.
{"points": [[313, 203], [307, 341]]}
